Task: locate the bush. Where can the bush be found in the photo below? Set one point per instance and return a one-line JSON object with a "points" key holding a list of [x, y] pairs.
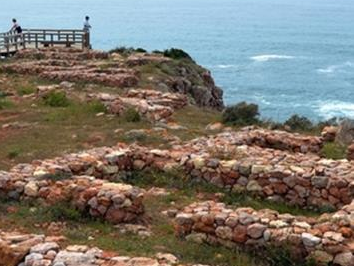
{"points": [[333, 151], [56, 99], [241, 114], [297, 122], [126, 50], [176, 54], [132, 115], [96, 107]]}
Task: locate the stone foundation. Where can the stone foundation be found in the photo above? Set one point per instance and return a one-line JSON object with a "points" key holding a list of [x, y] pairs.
{"points": [[37, 250], [155, 106], [328, 239]]}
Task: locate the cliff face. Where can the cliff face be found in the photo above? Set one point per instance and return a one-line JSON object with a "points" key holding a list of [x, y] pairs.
{"points": [[133, 70]]}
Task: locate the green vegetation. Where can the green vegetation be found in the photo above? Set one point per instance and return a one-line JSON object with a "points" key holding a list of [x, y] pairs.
{"points": [[5, 104], [13, 153], [176, 54], [334, 151], [126, 51], [25, 90], [299, 123], [56, 99], [132, 115], [186, 187], [241, 114]]}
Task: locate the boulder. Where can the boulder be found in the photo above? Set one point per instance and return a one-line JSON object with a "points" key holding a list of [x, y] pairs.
{"points": [[345, 134]]}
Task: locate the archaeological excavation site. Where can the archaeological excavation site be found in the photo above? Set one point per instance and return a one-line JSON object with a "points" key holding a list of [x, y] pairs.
{"points": [[130, 158]]}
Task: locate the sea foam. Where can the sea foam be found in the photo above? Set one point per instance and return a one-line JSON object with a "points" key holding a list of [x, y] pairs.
{"points": [[268, 57], [336, 68], [329, 109]]}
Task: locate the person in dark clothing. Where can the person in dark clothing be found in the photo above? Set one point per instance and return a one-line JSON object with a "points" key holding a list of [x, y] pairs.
{"points": [[16, 28]]}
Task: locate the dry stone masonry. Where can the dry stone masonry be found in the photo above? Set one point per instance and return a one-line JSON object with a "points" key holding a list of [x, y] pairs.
{"points": [[37, 250], [114, 70], [328, 239], [154, 105], [222, 160]]}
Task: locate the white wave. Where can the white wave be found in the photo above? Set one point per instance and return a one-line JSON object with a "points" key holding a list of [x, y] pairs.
{"points": [[335, 68], [225, 66], [329, 109], [268, 57]]}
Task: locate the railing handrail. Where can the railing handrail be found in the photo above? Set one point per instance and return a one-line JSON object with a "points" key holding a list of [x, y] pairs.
{"points": [[41, 36]]}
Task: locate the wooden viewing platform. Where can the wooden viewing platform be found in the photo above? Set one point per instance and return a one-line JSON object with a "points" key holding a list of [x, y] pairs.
{"points": [[10, 43]]}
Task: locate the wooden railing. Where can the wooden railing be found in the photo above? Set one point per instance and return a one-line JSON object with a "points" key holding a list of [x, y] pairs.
{"points": [[36, 38]]}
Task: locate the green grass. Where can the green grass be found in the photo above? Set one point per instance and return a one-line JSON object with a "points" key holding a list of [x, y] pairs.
{"points": [[5, 104], [26, 90], [184, 187], [106, 237], [56, 99]]}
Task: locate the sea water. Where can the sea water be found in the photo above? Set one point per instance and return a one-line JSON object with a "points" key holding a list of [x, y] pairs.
{"points": [[286, 56]]}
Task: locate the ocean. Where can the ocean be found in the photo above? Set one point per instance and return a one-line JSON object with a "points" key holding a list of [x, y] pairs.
{"points": [[286, 56]]}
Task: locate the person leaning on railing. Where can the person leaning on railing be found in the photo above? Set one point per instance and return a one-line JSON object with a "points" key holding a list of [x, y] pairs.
{"points": [[16, 30]]}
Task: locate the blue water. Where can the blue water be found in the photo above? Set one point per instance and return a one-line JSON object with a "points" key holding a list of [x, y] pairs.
{"points": [[287, 56]]}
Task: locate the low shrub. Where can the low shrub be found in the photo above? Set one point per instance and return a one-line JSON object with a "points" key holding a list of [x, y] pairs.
{"points": [[126, 51], [132, 115], [241, 114], [56, 99], [64, 212], [96, 107], [176, 54], [12, 154], [297, 122], [334, 151]]}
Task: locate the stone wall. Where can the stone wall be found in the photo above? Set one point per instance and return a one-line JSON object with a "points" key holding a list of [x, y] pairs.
{"points": [[300, 179], [116, 203], [327, 239], [18, 249], [154, 105]]}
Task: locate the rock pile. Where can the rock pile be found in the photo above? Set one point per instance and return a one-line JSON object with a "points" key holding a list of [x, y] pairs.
{"points": [[155, 105], [328, 239], [38, 250]]}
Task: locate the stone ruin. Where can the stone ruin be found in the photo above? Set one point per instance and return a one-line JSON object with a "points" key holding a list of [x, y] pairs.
{"points": [[329, 239], [154, 105], [234, 161], [18, 249], [90, 66]]}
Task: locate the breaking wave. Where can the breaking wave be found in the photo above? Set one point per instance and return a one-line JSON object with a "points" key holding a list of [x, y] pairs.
{"points": [[329, 109], [266, 58]]}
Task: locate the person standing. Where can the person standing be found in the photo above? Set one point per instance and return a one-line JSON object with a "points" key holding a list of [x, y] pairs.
{"points": [[87, 26]]}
